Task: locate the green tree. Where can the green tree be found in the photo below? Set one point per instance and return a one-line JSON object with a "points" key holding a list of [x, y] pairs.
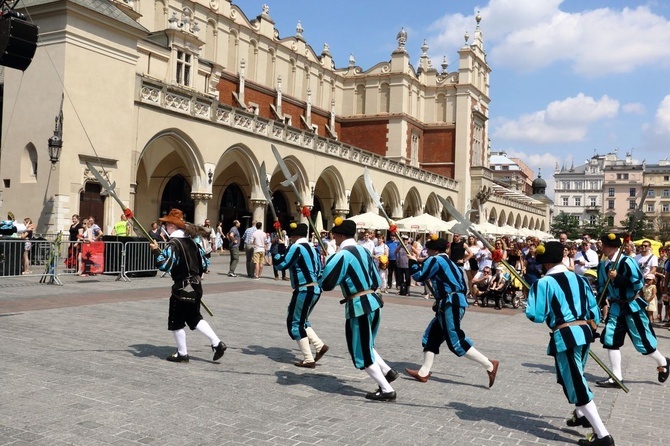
{"points": [[600, 226], [638, 227], [566, 223]]}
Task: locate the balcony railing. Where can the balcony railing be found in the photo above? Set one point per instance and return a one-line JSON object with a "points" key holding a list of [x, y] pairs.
{"points": [[209, 109]]}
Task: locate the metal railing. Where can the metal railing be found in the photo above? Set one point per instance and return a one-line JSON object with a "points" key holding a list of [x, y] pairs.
{"points": [[49, 259]]}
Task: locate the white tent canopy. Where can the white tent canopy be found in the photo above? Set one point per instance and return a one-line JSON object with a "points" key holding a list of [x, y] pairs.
{"points": [[370, 220], [488, 228], [425, 222]]}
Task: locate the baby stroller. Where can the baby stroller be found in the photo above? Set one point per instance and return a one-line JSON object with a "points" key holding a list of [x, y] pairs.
{"points": [[508, 294]]}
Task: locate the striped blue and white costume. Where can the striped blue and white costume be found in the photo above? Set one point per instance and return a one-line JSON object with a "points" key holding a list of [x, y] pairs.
{"points": [[353, 269], [563, 297], [449, 286], [627, 313], [304, 265]]}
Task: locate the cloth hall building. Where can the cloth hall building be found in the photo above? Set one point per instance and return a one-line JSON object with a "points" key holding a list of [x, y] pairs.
{"points": [[178, 103]]}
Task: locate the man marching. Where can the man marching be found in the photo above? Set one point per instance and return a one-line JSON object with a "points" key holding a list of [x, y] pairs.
{"points": [[449, 287], [185, 261], [626, 314], [565, 302], [353, 268], [305, 266]]}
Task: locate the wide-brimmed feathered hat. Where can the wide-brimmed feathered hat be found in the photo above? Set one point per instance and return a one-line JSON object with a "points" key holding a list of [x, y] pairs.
{"points": [[176, 217]]}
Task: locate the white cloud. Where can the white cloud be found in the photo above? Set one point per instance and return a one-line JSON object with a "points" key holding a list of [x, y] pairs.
{"points": [[528, 35], [662, 122], [561, 121], [634, 108], [581, 109]]}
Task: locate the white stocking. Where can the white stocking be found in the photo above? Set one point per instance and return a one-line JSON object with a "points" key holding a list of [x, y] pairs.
{"points": [[204, 328], [306, 350], [427, 363], [382, 364], [314, 339], [659, 358], [180, 339], [615, 362], [590, 411], [474, 355], [376, 373]]}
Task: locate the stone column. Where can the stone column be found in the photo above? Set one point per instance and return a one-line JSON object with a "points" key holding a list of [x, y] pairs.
{"points": [[258, 211], [200, 212]]}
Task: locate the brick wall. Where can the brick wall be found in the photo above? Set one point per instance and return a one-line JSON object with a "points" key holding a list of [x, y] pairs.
{"points": [[368, 135]]}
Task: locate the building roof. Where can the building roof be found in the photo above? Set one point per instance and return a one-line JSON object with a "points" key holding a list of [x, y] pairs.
{"points": [[104, 7]]}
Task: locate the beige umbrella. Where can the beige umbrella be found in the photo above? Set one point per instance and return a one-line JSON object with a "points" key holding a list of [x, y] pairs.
{"points": [[370, 220], [425, 222], [318, 223]]}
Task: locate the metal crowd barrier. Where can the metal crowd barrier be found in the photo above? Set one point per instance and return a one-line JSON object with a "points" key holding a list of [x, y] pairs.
{"points": [[49, 261]]}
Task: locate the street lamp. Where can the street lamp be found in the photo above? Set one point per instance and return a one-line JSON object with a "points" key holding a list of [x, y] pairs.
{"points": [[55, 144]]}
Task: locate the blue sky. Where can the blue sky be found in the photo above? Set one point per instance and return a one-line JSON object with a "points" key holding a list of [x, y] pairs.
{"points": [[570, 77]]}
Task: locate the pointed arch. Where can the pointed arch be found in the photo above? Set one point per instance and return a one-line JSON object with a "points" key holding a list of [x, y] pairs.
{"points": [[412, 205], [432, 206], [390, 197]]}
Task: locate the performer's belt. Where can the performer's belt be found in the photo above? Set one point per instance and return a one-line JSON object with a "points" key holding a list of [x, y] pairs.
{"points": [[353, 296], [568, 324]]}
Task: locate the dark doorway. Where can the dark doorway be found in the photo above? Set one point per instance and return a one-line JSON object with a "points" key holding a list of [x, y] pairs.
{"points": [[177, 194], [91, 203], [233, 207], [317, 207], [283, 215]]}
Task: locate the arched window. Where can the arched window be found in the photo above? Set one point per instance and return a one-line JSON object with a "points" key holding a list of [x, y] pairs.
{"points": [[360, 100], [210, 41], [384, 98], [232, 52], [251, 60], [29, 164], [441, 108]]}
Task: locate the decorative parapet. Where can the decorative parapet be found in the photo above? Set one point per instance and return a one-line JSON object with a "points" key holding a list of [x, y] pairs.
{"points": [[184, 100], [503, 201]]}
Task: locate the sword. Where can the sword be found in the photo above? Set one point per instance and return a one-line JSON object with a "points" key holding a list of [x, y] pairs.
{"points": [[109, 190], [290, 181], [467, 224], [268, 195]]}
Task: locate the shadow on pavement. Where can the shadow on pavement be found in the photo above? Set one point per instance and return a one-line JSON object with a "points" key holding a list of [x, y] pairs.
{"points": [[527, 422], [277, 354], [319, 382], [147, 350]]}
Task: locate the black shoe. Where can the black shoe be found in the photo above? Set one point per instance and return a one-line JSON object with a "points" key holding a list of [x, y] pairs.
{"points": [[593, 440], [607, 383], [577, 421], [663, 372], [392, 375], [177, 358], [321, 352], [381, 396], [219, 350]]}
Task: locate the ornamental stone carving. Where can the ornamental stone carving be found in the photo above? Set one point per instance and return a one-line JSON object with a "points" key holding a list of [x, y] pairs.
{"points": [[201, 196]]}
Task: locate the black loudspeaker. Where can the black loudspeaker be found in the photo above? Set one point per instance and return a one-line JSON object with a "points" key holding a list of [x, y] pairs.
{"points": [[18, 42]]}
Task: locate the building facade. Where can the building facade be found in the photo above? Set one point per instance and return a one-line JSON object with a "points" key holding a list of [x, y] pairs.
{"points": [[612, 187], [179, 102]]}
